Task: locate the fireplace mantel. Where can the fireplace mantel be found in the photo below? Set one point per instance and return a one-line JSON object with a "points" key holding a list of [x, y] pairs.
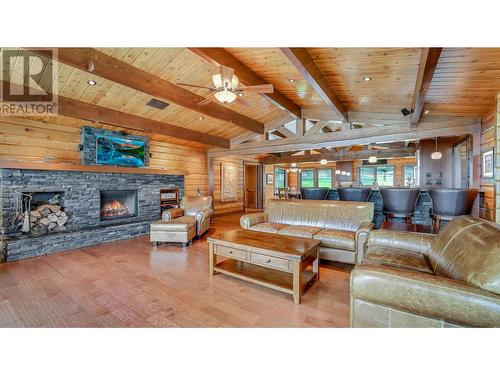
{"points": [[87, 168]]}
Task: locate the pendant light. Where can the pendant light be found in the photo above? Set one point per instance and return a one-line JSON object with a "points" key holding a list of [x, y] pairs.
{"points": [[436, 155]]}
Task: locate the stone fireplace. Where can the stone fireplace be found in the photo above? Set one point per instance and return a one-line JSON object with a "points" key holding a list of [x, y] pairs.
{"points": [[118, 204], [85, 203]]}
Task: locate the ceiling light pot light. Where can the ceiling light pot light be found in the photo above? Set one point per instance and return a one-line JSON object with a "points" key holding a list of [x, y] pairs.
{"points": [[91, 82], [372, 159], [323, 162], [367, 78], [291, 80]]}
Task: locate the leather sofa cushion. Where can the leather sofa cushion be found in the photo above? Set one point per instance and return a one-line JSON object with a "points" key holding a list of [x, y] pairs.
{"points": [[192, 205], [324, 214], [267, 227], [336, 239], [407, 260], [299, 231], [183, 223], [426, 295], [467, 249]]}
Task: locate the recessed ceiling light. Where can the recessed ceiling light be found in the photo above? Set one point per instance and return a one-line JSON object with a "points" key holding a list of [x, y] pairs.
{"points": [[426, 112], [92, 82], [241, 94], [291, 80], [367, 78], [200, 118]]}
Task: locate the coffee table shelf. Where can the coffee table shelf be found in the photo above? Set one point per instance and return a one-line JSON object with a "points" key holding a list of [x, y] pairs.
{"points": [[274, 279]]}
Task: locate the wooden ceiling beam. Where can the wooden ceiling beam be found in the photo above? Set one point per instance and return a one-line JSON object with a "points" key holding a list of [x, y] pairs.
{"points": [[305, 64], [343, 155], [316, 128], [86, 111], [428, 62], [431, 127], [125, 74], [220, 56]]}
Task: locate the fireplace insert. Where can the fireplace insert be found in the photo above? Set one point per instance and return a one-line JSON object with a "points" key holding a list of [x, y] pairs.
{"points": [[118, 204]]}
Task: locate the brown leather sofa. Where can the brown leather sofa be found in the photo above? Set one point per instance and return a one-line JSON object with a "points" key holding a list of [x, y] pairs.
{"points": [[423, 280], [342, 227]]}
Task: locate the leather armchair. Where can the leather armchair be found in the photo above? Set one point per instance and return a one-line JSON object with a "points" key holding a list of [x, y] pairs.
{"points": [[198, 207], [422, 280]]}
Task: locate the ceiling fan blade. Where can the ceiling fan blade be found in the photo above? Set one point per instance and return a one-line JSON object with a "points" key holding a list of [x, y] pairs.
{"points": [[196, 86], [206, 100], [226, 75], [260, 89]]}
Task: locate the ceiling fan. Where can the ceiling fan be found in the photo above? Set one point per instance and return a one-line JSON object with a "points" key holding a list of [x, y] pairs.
{"points": [[227, 87]]}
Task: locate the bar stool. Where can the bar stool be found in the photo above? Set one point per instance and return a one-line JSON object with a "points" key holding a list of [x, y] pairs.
{"points": [[399, 202], [314, 193], [447, 204], [354, 194]]}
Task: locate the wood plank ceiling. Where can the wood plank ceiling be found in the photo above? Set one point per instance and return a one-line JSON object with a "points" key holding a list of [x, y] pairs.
{"points": [[465, 83]]}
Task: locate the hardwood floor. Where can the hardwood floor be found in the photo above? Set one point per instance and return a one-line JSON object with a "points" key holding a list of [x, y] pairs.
{"points": [[131, 284]]}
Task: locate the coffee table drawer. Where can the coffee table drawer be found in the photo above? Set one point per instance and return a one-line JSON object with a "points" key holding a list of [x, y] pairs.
{"points": [[230, 252], [278, 263]]}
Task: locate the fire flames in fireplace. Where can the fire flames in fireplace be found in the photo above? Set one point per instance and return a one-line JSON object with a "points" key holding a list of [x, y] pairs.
{"points": [[114, 208]]}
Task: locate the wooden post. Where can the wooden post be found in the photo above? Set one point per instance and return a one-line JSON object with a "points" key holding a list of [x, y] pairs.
{"points": [[497, 162], [211, 258]]}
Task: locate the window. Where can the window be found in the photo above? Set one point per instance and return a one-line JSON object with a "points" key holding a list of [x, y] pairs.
{"points": [[279, 179], [325, 178], [307, 178], [385, 175], [409, 174], [367, 176], [382, 174]]}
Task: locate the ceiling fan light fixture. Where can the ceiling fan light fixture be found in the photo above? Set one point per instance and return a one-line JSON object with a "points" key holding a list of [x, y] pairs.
{"points": [[372, 159], [217, 81], [323, 162], [225, 96]]}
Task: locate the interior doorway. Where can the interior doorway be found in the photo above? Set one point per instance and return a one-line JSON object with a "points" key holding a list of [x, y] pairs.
{"points": [[253, 186]]}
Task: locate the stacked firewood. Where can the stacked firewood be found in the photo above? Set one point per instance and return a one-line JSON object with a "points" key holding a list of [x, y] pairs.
{"points": [[47, 218]]}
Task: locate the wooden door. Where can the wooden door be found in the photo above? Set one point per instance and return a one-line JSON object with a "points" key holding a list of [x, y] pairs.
{"points": [[251, 186]]}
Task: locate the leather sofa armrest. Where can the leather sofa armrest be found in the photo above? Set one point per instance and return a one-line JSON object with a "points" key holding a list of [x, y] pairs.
{"points": [[204, 214], [426, 295], [172, 213], [419, 243], [246, 221], [362, 234]]}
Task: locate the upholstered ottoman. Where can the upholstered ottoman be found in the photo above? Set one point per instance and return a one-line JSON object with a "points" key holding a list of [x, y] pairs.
{"points": [[181, 229]]}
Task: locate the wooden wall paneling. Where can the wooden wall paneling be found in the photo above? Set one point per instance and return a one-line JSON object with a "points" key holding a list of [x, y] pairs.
{"points": [[54, 145], [227, 207], [487, 186]]}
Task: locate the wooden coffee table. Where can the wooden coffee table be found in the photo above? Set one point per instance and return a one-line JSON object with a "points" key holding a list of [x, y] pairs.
{"points": [[275, 261]]}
